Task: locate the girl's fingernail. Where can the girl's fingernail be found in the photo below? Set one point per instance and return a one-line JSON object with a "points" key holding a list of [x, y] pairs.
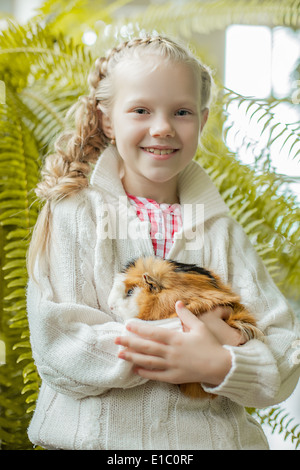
{"points": [[117, 341], [121, 355], [179, 304]]}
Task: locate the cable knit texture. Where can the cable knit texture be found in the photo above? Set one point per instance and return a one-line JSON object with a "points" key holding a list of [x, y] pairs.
{"points": [[90, 399]]}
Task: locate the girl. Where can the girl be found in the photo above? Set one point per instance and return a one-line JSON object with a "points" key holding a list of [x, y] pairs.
{"points": [[140, 124]]}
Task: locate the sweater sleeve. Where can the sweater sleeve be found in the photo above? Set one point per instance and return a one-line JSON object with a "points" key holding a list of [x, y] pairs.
{"points": [[264, 372], [72, 338]]}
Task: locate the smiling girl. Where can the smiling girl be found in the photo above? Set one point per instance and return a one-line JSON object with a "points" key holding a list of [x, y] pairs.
{"points": [[140, 126]]}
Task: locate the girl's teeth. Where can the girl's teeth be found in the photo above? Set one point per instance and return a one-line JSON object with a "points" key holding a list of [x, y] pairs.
{"points": [[159, 152]]}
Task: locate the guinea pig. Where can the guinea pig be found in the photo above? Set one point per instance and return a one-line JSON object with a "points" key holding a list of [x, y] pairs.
{"points": [[149, 287]]}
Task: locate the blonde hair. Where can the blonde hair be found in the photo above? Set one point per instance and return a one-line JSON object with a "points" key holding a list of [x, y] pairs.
{"points": [[66, 171]]}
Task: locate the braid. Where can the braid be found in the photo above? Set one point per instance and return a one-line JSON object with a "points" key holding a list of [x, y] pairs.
{"points": [[98, 73], [101, 65], [66, 171]]}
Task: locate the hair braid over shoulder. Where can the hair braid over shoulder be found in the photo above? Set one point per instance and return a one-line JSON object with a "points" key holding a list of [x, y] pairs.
{"points": [[66, 170]]}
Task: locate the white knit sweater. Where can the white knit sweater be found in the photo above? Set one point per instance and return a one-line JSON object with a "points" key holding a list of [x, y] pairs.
{"points": [[90, 399]]}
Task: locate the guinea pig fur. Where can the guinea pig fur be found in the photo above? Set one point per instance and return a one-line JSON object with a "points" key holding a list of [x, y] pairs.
{"points": [[149, 287]]}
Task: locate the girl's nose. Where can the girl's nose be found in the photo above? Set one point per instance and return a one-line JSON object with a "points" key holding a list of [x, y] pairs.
{"points": [[162, 127]]}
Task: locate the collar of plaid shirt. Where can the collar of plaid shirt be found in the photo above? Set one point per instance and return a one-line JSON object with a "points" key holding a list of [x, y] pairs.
{"points": [[165, 220]]}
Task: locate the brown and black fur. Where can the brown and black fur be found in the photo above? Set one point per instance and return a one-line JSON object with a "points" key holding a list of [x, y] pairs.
{"points": [[163, 282]]}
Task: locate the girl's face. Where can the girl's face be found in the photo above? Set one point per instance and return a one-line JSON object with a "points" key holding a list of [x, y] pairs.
{"points": [[155, 121]]}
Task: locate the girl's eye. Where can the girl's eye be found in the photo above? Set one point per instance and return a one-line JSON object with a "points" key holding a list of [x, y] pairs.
{"points": [[129, 292], [183, 112], [141, 111]]}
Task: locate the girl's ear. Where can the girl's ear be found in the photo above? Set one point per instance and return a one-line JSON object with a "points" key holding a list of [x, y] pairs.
{"points": [[204, 117], [106, 124]]}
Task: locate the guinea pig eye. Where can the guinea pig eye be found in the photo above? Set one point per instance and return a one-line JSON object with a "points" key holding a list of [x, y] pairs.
{"points": [[129, 292]]}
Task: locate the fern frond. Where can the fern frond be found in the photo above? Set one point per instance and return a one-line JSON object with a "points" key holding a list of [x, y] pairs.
{"points": [[269, 215], [279, 420], [74, 17], [269, 126], [19, 161], [204, 16], [2, 92], [49, 107], [38, 53]]}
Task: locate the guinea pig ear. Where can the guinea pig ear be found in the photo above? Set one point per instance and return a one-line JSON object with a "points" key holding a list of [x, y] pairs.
{"points": [[151, 283]]}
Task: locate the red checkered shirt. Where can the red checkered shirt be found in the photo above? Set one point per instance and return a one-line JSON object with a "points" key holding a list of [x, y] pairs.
{"points": [[165, 220]]}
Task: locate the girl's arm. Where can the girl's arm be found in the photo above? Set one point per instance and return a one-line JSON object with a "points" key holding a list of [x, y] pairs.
{"points": [[72, 338]]}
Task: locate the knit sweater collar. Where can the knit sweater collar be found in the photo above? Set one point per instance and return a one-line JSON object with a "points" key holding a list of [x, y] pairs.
{"points": [[195, 186]]}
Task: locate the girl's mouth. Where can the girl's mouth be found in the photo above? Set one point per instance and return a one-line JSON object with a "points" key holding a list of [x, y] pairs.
{"points": [[160, 154]]}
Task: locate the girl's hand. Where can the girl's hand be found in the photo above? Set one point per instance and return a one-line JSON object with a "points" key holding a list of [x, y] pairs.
{"points": [[215, 321], [196, 355]]}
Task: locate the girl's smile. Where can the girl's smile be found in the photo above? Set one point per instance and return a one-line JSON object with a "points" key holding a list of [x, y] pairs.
{"points": [[160, 152]]}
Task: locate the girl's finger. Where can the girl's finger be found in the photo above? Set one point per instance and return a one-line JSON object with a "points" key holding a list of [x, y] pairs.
{"points": [[153, 333], [140, 345], [188, 319], [142, 360]]}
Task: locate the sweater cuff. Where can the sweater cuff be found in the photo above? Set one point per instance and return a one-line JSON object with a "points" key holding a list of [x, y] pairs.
{"points": [[253, 377]]}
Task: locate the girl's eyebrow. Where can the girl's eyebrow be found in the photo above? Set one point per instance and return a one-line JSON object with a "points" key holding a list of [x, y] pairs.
{"points": [[183, 103], [137, 101]]}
